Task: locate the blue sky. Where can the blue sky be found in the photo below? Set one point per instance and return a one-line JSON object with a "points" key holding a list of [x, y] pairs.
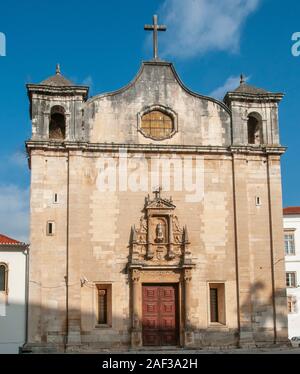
{"points": [[102, 44]]}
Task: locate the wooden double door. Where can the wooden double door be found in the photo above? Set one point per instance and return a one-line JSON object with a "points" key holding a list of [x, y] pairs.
{"points": [[160, 315]]}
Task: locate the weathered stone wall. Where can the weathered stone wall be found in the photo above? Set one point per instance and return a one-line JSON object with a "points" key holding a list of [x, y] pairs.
{"points": [[268, 112], [47, 291], [112, 118], [41, 109], [99, 231]]}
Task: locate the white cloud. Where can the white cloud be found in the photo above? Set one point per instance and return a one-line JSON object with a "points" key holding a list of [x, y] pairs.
{"points": [[231, 84], [14, 212], [196, 27], [18, 158]]}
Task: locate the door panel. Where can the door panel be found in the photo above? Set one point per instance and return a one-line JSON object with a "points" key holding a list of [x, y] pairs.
{"points": [[160, 315]]}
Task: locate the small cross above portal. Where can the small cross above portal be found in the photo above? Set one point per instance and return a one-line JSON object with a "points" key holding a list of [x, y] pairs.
{"points": [[155, 28], [157, 192]]}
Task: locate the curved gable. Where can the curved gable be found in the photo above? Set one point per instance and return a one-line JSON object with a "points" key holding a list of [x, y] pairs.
{"points": [[115, 117]]}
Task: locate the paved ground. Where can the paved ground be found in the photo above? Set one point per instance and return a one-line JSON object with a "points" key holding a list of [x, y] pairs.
{"points": [[213, 351]]}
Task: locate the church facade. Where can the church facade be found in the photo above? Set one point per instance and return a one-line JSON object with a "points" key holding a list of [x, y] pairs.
{"points": [[156, 216]]}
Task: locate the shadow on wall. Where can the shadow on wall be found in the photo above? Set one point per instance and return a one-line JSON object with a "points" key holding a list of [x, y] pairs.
{"points": [[12, 326], [258, 331], [260, 308], [49, 334]]}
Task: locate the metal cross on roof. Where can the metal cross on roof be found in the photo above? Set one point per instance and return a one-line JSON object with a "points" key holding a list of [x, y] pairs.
{"points": [[155, 28]]}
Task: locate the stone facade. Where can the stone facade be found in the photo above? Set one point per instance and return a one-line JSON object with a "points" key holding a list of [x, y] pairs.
{"points": [[225, 234]]}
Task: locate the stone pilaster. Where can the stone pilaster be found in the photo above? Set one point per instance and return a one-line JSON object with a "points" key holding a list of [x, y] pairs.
{"points": [[240, 197], [136, 332], [74, 271], [277, 251], [188, 330]]}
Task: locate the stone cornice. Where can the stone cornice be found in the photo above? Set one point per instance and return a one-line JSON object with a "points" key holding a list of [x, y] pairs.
{"points": [[55, 90], [243, 96], [265, 149], [143, 267], [152, 148]]}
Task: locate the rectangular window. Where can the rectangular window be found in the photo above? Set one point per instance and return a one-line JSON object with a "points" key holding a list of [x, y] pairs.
{"points": [[289, 243], [104, 315], [217, 303], [102, 305], [50, 228], [291, 300], [291, 279], [214, 314]]}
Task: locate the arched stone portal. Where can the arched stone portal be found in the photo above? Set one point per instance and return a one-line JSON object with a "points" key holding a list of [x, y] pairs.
{"points": [[160, 266]]}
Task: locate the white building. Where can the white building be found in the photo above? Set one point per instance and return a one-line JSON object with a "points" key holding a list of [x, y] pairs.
{"points": [[13, 279], [291, 218]]}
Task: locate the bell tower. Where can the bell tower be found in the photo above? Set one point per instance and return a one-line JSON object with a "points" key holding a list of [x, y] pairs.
{"points": [[257, 195], [57, 115], [56, 109], [254, 115]]}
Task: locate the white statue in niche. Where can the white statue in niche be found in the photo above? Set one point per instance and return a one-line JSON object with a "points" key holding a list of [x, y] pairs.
{"points": [[159, 233]]}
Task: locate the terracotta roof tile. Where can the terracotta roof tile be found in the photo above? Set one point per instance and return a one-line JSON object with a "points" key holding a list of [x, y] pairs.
{"points": [[5, 240], [291, 210]]}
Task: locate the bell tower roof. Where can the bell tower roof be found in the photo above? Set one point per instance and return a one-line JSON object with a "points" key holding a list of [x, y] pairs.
{"points": [[57, 80], [57, 85], [247, 89], [247, 92]]}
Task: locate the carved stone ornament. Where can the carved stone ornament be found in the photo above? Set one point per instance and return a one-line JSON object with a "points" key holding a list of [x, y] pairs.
{"points": [[135, 276], [159, 240], [188, 275]]}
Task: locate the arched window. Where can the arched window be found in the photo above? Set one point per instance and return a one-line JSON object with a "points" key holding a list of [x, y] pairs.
{"points": [[157, 124], [3, 277], [57, 126], [254, 129]]}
